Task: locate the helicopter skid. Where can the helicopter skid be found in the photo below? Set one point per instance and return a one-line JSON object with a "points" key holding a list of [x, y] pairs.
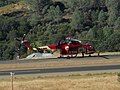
{"points": [[40, 56]]}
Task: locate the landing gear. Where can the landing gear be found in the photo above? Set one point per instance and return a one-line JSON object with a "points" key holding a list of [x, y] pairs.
{"points": [[68, 55], [73, 55], [89, 55], [82, 54], [98, 54]]}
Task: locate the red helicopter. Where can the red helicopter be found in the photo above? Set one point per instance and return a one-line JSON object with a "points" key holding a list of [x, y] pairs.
{"points": [[68, 47], [72, 47]]}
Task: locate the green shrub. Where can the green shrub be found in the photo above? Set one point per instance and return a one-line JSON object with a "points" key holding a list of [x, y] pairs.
{"points": [[118, 77]]}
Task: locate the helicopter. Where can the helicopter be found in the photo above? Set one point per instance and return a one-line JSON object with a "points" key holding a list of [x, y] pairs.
{"points": [[71, 47], [68, 47]]}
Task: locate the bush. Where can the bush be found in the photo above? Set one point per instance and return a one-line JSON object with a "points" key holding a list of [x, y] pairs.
{"points": [[118, 77]]}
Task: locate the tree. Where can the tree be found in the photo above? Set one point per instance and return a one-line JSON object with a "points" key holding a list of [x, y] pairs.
{"points": [[34, 19], [38, 5], [73, 4], [102, 17], [54, 13], [94, 15], [92, 33], [8, 52], [113, 42], [77, 20], [113, 11], [58, 14], [11, 35], [117, 24], [107, 31], [6, 2], [2, 3]]}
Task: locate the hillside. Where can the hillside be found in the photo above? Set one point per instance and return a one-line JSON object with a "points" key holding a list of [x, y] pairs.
{"points": [[14, 7], [46, 21]]}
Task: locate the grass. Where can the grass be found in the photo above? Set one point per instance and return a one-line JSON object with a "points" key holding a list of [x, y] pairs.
{"points": [[72, 82]]}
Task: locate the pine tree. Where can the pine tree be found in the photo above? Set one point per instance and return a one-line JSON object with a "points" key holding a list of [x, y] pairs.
{"points": [[113, 11], [102, 17], [117, 24], [34, 19], [38, 5], [92, 33], [94, 15], [107, 31], [58, 13], [77, 20], [54, 14]]}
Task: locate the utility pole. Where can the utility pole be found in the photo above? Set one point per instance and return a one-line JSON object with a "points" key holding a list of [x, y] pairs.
{"points": [[12, 74]]}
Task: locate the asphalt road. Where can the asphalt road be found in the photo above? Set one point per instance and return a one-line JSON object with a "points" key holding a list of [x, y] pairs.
{"points": [[61, 70]]}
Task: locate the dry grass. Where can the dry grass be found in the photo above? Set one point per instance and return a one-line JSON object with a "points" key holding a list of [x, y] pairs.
{"points": [[20, 6], [78, 82]]}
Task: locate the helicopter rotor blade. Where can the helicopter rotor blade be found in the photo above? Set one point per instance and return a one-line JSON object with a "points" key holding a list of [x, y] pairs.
{"points": [[23, 38]]}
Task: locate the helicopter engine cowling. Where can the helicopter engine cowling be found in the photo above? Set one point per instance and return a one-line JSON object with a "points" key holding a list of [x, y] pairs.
{"points": [[89, 49]]}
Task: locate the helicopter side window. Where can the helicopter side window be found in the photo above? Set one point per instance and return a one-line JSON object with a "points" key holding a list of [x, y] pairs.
{"points": [[74, 41], [60, 42], [67, 41]]}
